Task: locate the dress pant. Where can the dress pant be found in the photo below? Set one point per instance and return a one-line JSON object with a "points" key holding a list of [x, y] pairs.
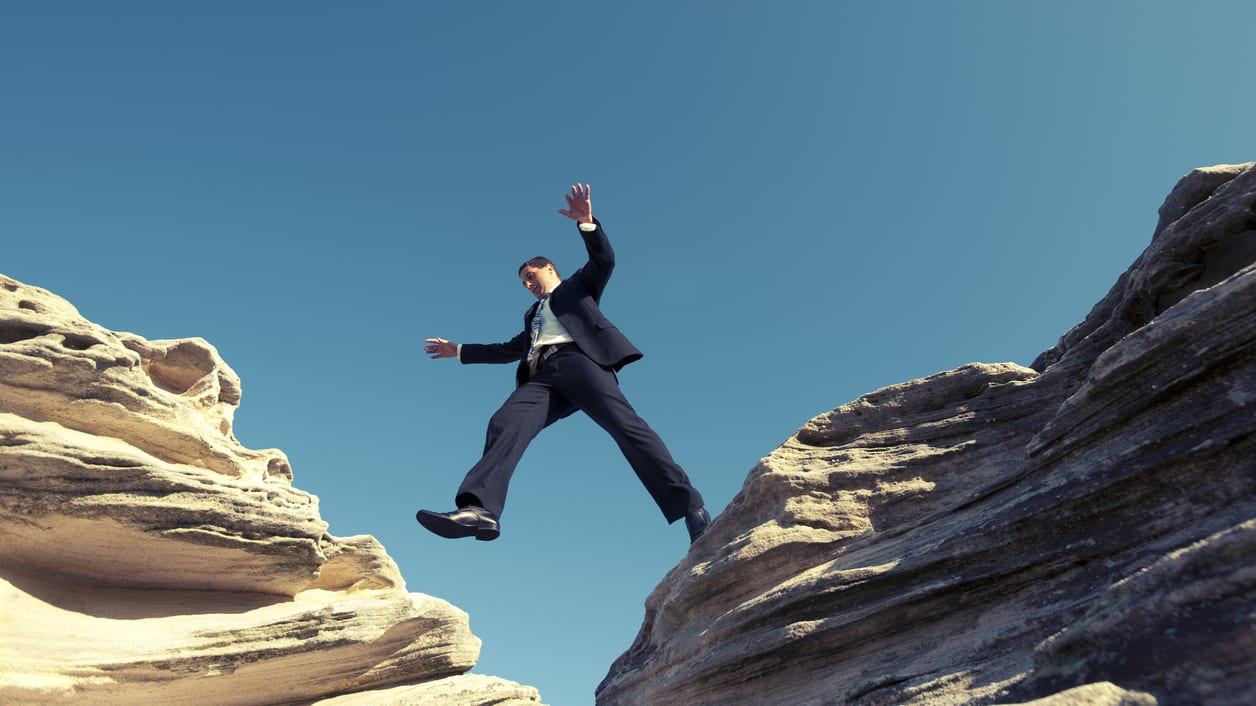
{"points": [[569, 380]]}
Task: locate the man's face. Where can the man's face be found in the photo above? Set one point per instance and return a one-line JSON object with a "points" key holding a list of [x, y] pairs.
{"points": [[539, 280]]}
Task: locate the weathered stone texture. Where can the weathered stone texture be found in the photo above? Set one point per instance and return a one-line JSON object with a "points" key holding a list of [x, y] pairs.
{"points": [[147, 557], [1082, 531]]}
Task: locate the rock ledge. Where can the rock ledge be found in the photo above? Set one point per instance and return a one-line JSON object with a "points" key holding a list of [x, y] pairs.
{"points": [[147, 557], [1082, 531]]}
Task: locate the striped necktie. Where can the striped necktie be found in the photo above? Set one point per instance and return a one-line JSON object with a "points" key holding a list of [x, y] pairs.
{"points": [[536, 330]]}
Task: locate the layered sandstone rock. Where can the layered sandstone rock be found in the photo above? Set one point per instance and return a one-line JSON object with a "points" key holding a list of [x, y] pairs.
{"points": [[1079, 532], [147, 557]]}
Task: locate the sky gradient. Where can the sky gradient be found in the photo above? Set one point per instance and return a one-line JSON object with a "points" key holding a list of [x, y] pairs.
{"points": [[808, 201]]}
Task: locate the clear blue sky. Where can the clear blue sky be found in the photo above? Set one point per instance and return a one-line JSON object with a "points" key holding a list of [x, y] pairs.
{"points": [[809, 201]]}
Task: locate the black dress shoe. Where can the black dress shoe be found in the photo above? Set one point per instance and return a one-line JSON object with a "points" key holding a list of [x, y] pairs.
{"points": [[696, 522], [469, 521]]}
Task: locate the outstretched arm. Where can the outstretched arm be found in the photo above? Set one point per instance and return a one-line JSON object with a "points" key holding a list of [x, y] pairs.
{"points": [[509, 352], [597, 271], [579, 206]]}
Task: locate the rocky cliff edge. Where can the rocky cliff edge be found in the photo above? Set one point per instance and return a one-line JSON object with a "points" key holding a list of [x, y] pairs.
{"points": [[1082, 531], [147, 557]]}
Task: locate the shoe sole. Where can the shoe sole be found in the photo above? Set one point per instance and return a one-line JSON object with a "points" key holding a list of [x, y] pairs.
{"points": [[443, 527]]}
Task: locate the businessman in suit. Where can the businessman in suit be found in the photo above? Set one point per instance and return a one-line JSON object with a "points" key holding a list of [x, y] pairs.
{"points": [[567, 354]]}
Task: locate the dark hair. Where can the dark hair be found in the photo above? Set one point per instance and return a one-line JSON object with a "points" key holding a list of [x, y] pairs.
{"points": [[538, 262]]}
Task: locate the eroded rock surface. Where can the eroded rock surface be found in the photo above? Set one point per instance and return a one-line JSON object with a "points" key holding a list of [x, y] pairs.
{"points": [[1082, 531], [147, 557]]}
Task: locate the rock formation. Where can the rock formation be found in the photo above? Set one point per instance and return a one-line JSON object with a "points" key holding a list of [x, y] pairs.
{"points": [[147, 557], [1082, 531]]}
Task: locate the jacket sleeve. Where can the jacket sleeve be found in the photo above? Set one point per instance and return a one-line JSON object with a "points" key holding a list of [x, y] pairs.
{"points": [[597, 271], [511, 351]]}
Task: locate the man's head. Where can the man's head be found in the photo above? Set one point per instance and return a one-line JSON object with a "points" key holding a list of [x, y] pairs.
{"points": [[539, 276]]}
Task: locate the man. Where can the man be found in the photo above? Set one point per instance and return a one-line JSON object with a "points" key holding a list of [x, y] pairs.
{"points": [[568, 355]]}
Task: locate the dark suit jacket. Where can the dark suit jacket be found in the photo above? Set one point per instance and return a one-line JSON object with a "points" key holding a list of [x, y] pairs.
{"points": [[576, 303]]}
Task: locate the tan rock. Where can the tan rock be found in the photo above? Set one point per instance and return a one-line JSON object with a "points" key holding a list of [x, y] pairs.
{"points": [[147, 557], [1101, 694], [128, 645], [1081, 532], [465, 689]]}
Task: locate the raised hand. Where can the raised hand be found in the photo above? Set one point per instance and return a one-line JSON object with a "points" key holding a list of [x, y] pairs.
{"points": [[579, 207]]}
